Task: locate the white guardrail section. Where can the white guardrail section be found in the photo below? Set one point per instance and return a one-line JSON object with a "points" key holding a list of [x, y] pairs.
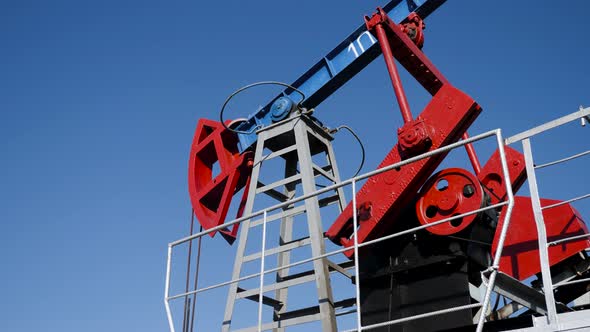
{"points": [[352, 181], [525, 139]]}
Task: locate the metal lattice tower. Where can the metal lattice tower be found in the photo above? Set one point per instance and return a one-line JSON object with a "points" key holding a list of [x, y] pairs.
{"points": [[296, 140]]}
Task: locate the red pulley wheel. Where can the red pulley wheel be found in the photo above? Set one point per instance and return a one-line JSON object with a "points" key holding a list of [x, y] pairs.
{"points": [[448, 193]]}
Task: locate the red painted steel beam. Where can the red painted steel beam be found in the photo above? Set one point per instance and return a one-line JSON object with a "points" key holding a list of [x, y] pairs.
{"points": [[492, 178], [444, 120], [384, 196], [421, 71], [407, 53], [393, 74], [472, 155]]}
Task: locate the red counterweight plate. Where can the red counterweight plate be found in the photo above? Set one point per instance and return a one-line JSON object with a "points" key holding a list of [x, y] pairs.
{"points": [[520, 257], [448, 193], [217, 171]]}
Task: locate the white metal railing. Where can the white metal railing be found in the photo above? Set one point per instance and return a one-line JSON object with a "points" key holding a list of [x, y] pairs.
{"points": [[525, 139], [352, 181]]}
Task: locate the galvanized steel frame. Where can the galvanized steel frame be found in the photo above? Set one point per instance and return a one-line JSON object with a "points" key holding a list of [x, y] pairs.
{"points": [[301, 129]]}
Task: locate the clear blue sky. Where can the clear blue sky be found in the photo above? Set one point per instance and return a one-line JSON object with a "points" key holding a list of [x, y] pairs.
{"points": [[99, 102]]}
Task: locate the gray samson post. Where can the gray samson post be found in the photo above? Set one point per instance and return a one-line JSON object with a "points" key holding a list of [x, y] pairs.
{"points": [[296, 139]]}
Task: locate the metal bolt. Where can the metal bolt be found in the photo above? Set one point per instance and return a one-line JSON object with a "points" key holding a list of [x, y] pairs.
{"points": [[468, 190]]}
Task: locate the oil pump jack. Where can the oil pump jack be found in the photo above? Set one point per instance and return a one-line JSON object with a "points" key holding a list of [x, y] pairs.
{"points": [[440, 261]]}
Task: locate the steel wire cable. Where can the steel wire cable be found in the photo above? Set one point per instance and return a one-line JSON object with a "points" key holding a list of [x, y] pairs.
{"points": [[362, 163], [248, 87]]}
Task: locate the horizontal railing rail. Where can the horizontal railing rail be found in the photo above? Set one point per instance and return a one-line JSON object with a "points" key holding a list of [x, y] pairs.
{"points": [[563, 160]]}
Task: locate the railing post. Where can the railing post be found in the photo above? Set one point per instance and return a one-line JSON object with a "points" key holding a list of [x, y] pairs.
{"points": [[167, 289], [356, 258], [541, 232], [503, 231]]}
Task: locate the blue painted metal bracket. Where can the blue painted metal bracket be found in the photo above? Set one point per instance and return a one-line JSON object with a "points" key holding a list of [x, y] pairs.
{"points": [[341, 64]]}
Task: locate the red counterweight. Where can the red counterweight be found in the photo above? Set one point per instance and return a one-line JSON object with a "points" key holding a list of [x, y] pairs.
{"points": [[210, 193], [520, 257]]}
